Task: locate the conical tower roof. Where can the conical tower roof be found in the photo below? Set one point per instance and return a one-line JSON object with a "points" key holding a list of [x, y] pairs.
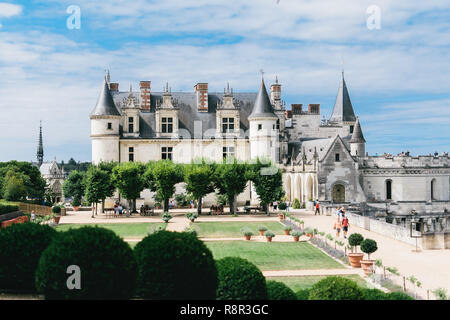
{"points": [[262, 107], [105, 104], [343, 109], [357, 136]]}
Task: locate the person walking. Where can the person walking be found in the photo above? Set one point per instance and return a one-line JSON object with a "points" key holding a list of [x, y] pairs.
{"points": [[275, 205], [337, 226], [345, 225], [288, 204], [339, 213], [317, 208]]}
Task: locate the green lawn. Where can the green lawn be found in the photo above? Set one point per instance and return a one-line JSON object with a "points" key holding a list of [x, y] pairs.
{"points": [[306, 282], [275, 255], [126, 230], [232, 229]]}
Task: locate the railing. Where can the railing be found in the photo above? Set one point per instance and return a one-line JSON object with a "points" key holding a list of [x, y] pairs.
{"points": [[40, 210]]}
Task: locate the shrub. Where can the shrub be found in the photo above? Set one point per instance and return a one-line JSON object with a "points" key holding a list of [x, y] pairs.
{"points": [[173, 265], [269, 234], [7, 208], [308, 230], [297, 233], [21, 247], [296, 204], [282, 206], [240, 279], [191, 231], [440, 293], [262, 228], [336, 288], [303, 294], [355, 240], [56, 209], [368, 246], [76, 202], [399, 296], [106, 262], [279, 291], [287, 228], [374, 294], [166, 217], [246, 231], [191, 216]]}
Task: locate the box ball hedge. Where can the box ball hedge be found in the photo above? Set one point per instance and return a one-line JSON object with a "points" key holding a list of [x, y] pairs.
{"points": [[21, 246], [240, 279], [174, 266], [279, 291], [106, 263], [303, 294], [336, 288], [374, 294], [397, 295]]}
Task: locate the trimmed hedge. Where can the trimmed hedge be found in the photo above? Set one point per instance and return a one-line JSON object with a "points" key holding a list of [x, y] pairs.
{"points": [[240, 279], [106, 262], [399, 296], [21, 246], [279, 291], [7, 208], [303, 294], [336, 288], [174, 266], [374, 294]]}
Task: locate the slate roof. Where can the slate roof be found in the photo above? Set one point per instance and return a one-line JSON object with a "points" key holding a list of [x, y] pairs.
{"points": [[105, 104], [262, 107], [357, 136], [343, 109]]}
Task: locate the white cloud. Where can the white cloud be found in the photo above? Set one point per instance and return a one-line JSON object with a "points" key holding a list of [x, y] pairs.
{"points": [[8, 10]]}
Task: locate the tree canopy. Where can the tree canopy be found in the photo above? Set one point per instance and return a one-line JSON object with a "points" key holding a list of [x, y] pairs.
{"points": [[128, 178], [199, 180]]}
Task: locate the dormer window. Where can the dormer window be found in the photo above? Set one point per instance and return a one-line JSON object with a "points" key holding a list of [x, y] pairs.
{"points": [[351, 129], [130, 124], [227, 125], [166, 125]]}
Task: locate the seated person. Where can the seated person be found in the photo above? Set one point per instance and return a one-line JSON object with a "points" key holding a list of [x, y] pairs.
{"points": [[120, 209]]}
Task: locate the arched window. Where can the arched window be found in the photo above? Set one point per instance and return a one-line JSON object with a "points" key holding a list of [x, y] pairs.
{"points": [[433, 189], [388, 189]]}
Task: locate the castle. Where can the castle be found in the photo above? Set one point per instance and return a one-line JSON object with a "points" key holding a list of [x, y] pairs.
{"points": [[320, 159]]}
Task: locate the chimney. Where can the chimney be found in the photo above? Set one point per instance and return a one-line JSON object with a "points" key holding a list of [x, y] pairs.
{"points": [[288, 114], [296, 108], [275, 92], [314, 108], [114, 86], [202, 96], [145, 95]]}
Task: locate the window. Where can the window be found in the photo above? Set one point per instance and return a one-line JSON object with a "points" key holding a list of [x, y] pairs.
{"points": [[278, 124], [337, 157], [130, 124], [228, 152], [388, 189], [351, 129], [109, 126], [167, 125], [259, 126], [433, 189], [166, 153], [131, 154], [227, 124]]}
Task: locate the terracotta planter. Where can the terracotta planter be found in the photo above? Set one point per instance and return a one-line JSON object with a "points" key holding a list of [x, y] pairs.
{"points": [[296, 238], [281, 216], [75, 208], [261, 233], [367, 266], [56, 219], [247, 237], [310, 235], [269, 239], [287, 232], [355, 259]]}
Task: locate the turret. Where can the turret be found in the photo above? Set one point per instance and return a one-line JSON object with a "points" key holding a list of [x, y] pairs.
{"points": [[105, 122], [357, 142]]}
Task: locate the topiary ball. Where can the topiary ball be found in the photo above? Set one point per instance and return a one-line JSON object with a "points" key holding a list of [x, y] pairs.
{"points": [[355, 239], [368, 246], [21, 246], [336, 288], [240, 279], [106, 264], [398, 296], [303, 294], [279, 291], [174, 266], [56, 209], [374, 294]]}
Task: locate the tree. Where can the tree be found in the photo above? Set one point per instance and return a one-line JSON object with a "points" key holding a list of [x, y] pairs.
{"points": [[108, 167], [162, 176], [199, 180], [128, 178], [231, 179], [74, 186], [34, 183], [268, 182], [13, 188], [97, 185]]}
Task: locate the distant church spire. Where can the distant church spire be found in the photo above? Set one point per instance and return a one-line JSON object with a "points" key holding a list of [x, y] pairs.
{"points": [[40, 149]]}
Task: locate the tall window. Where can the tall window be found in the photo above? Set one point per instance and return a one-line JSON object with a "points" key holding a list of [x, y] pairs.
{"points": [[130, 124], [166, 153], [227, 124], [259, 126], [351, 129], [167, 125], [131, 154], [109, 126], [337, 157], [433, 189], [228, 152], [278, 124], [388, 189]]}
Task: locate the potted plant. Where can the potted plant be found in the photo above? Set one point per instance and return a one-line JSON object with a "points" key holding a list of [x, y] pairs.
{"points": [[247, 233], [269, 235], [261, 230], [191, 216], [166, 217], [56, 214], [296, 235], [287, 230], [309, 232], [368, 246], [354, 257], [76, 202], [282, 215]]}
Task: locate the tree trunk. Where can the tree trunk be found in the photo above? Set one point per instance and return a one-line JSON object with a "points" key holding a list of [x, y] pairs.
{"points": [[266, 209], [96, 208], [103, 205], [134, 206], [199, 206], [231, 201], [166, 205]]}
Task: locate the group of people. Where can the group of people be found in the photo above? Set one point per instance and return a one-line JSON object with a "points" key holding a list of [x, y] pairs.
{"points": [[341, 223], [118, 209]]}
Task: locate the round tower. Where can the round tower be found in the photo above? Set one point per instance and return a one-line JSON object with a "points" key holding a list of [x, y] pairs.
{"points": [[357, 142], [105, 134], [263, 128]]}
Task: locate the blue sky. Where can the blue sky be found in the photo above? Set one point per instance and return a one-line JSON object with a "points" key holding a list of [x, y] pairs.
{"points": [[398, 76]]}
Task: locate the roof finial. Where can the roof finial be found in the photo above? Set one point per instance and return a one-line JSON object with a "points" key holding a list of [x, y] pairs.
{"points": [[167, 86], [262, 74], [108, 76], [276, 79], [228, 87], [131, 88], [342, 67]]}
